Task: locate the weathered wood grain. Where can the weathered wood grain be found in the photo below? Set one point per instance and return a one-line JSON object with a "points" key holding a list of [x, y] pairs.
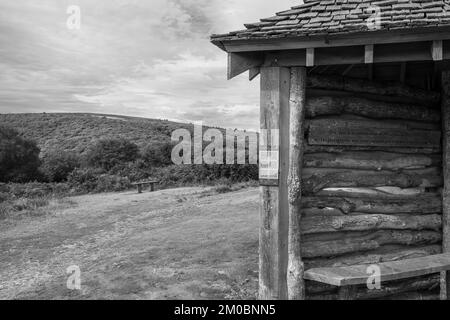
{"points": [[399, 289], [329, 105], [389, 205], [274, 215], [319, 179], [295, 281], [382, 254], [376, 160], [445, 283], [349, 132], [366, 222], [328, 245], [341, 149], [364, 86], [377, 192], [396, 270]]}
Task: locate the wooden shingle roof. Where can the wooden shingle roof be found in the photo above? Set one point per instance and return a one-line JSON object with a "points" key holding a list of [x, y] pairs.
{"points": [[327, 17]]}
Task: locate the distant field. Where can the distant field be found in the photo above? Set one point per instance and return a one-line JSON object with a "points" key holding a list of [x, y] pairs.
{"points": [[76, 132], [188, 243]]}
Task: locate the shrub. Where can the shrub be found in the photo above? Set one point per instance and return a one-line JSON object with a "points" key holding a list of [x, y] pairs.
{"points": [[57, 165], [223, 189], [84, 179], [158, 154], [4, 210], [29, 190], [112, 183], [4, 187], [27, 204], [4, 196], [19, 158], [95, 180], [108, 153], [134, 171], [204, 174]]}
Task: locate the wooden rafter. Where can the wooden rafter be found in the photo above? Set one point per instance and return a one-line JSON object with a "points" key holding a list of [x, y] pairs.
{"points": [[253, 73]]}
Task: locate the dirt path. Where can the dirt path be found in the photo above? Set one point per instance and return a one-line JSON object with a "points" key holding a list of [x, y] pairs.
{"points": [[187, 243]]}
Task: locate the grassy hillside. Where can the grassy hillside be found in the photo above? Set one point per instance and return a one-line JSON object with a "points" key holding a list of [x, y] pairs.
{"points": [[76, 132]]}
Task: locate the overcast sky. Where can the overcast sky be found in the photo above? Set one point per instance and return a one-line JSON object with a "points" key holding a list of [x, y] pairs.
{"points": [[149, 58]]}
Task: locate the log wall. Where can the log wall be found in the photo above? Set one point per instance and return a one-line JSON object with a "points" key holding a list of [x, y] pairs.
{"points": [[371, 182]]}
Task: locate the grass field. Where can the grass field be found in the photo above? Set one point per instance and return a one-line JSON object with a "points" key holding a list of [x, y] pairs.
{"points": [[189, 243]]}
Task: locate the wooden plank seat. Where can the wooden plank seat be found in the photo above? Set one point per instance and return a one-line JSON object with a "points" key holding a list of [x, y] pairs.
{"points": [[142, 184], [348, 277]]}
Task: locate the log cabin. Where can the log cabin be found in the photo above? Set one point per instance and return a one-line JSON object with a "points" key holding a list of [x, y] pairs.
{"points": [[355, 118]]}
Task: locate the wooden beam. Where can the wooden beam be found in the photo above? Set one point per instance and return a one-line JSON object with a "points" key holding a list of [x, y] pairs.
{"points": [[445, 282], [368, 53], [390, 271], [348, 69], [437, 50], [310, 57], [240, 62], [274, 225], [253, 73], [338, 40], [402, 72], [295, 282], [392, 90]]}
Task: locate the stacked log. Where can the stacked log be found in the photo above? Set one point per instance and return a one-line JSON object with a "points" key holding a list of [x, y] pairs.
{"points": [[371, 182]]}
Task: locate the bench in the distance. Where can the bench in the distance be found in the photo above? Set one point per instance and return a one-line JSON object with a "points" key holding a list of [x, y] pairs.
{"points": [[142, 184], [347, 278]]}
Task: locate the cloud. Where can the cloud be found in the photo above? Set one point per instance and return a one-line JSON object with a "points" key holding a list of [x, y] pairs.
{"points": [[143, 58], [186, 88]]}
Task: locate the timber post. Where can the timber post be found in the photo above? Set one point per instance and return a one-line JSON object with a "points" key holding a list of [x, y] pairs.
{"points": [[297, 106], [275, 85], [445, 277]]}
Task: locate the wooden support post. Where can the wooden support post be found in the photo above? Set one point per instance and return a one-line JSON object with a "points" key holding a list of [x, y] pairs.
{"points": [[274, 221], [295, 282], [139, 188], [310, 57], [437, 50], [445, 280], [152, 187], [368, 54]]}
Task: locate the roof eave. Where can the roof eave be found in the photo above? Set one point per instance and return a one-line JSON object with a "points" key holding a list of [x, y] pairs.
{"points": [[333, 40], [219, 44]]}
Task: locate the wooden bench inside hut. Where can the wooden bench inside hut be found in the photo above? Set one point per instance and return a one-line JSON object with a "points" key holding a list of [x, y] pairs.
{"points": [[355, 120]]}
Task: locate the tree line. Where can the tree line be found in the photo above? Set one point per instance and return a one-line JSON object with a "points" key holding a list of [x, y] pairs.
{"points": [[114, 158]]}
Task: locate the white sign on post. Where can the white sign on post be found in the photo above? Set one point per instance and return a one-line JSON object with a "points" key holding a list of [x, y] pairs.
{"points": [[269, 157]]}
